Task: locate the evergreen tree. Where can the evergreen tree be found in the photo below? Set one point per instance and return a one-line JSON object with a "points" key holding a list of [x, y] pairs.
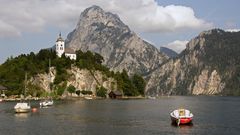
{"points": [[71, 89], [139, 83], [101, 91]]}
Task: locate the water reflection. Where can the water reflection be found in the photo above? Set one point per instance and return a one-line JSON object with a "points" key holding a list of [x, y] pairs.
{"points": [[22, 115], [183, 129], [46, 107], [174, 124]]}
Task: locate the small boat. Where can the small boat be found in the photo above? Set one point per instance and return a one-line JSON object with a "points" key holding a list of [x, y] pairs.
{"points": [[22, 107], [151, 97], [46, 103], [88, 97], [181, 116]]}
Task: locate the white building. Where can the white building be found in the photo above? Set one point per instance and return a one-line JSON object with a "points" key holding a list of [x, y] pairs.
{"points": [[60, 49]]}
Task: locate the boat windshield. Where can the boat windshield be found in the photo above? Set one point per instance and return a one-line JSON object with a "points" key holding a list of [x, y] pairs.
{"points": [[181, 112]]}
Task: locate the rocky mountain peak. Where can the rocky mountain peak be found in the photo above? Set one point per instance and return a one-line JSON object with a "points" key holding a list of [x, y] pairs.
{"points": [[93, 8], [104, 33], [200, 39], [95, 15], [212, 31]]}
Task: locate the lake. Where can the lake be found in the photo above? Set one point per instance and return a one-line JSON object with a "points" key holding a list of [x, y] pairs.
{"points": [[212, 116]]}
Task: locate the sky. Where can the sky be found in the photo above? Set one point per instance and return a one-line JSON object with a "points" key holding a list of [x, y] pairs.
{"points": [[30, 25]]}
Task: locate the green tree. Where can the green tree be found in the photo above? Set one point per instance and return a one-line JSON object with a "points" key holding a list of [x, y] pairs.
{"points": [[101, 91], [86, 92], [139, 83], [71, 89], [128, 88], [34, 90], [61, 88]]}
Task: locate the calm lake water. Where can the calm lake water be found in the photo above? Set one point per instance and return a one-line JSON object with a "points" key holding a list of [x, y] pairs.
{"points": [[212, 116]]}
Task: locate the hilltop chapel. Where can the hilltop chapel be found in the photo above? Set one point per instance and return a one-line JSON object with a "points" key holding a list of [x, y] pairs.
{"points": [[60, 49]]}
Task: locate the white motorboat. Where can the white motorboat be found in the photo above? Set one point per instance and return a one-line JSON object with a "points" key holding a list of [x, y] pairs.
{"points": [[22, 107], [88, 98], [151, 97], [46, 103], [181, 116]]}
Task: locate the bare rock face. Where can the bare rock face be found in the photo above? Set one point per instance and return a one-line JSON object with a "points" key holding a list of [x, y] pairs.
{"points": [[43, 80], [209, 65], [85, 80], [106, 34], [80, 79], [208, 84]]}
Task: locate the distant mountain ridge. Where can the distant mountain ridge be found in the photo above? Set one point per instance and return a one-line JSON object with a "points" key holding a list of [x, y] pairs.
{"points": [[104, 33], [210, 65], [169, 52]]}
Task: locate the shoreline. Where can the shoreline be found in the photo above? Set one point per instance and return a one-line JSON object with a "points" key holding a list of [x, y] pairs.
{"points": [[72, 98], [100, 98]]}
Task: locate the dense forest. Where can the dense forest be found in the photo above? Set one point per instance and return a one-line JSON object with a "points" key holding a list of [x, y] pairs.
{"points": [[12, 73]]}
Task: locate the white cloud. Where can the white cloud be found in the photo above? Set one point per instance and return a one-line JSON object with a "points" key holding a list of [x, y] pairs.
{"points": [[177, 45], [8, 30], [232, 30], [140, 15]]}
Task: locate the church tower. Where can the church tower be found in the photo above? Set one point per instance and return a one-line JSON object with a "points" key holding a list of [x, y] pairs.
{"points": [[60, 47]]}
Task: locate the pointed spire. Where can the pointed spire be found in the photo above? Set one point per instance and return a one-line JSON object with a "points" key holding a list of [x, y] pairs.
{"points": [[59, 37]]}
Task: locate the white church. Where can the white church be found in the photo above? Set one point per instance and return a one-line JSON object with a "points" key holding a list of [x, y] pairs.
{"points": [[60, 49]]}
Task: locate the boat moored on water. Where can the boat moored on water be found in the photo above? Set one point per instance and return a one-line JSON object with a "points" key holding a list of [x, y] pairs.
{"points": [[46, 103], [88, 97], [151, 97], [49, 101], [181, 116], [22, 107]]}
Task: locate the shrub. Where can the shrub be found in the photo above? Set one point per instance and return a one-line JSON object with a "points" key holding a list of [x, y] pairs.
{"points": [[71, 89], [101, 92], [86, 92]]}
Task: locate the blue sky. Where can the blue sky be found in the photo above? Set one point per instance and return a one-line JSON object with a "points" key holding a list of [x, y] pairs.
{"points": [[170, 23]]}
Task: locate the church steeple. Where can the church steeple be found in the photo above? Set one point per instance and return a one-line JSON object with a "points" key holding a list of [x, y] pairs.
{"points": [[60, 37], [60, 47]]}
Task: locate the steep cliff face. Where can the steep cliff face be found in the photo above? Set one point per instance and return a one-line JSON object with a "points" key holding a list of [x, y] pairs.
{"points": [[106, 34], [43, 80], [209, 65], [80, 79]]}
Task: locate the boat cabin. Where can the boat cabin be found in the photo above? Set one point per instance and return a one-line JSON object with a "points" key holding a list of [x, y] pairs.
{"points": [[181, 112]]}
